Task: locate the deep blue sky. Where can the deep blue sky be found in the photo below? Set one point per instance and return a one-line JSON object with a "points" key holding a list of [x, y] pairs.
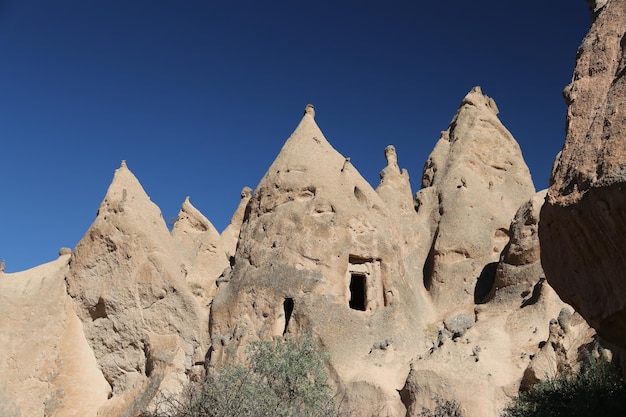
{"points": [[199, 96]]}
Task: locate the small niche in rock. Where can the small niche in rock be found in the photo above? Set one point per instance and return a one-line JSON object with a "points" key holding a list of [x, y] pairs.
{"points": [[288, 310], [357, 292], [98, 311]]}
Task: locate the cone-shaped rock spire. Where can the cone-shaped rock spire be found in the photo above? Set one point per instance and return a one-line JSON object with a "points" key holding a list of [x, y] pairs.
{"points": [[125, 278], [319, 251], [474, 181], [230, 235]]}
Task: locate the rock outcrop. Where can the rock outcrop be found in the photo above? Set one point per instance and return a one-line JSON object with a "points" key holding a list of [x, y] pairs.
{"points": [[495, 341], [230, 235], [583, 222], [139, 316], [519, 271], [319, 252], [203, 256], [473, 183], [47, 366]]}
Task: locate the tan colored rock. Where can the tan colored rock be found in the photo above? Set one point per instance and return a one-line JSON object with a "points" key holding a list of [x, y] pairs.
{"points": [[129, 291], [569, 341], [230, 235], [583, 223], [319, 251], [203, 256], [47, 366], [414, 229], [519, 268], [479, 359], [473, 183]]}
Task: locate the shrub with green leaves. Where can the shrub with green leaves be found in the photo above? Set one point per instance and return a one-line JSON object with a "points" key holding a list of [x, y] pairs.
{"points": [[284, 379], [597, 389], [443, 408]]}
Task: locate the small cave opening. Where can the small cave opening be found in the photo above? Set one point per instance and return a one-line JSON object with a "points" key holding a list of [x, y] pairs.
{"points": [[358, 292], [288, 310], [98, 311]]}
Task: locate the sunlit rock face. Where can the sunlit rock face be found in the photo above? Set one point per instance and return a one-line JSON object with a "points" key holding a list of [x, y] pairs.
{"points": [[583, 223], [319, 252], [47, 366], [473, 183], [129, 290], [519, 268]]}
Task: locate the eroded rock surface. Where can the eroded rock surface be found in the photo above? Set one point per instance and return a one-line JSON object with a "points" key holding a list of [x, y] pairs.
{"points": [[583, 223], [202, 255], [519, 270], [319, 252], [138, 313], [473, 183], [47, 366]]}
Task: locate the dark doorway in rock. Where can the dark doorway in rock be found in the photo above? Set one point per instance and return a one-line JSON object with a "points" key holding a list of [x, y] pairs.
{"points": [[287, 309], [357, 292]]}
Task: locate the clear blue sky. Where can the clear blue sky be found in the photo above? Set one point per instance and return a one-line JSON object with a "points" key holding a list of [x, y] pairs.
{"points": [[199, 96]]}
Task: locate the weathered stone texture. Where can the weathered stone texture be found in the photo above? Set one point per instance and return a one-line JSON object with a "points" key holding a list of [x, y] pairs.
{"points": [[473, 183], [319, 252], [583, 223], [139, 315]]}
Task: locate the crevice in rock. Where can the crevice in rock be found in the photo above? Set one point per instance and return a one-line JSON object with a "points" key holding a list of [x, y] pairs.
{"points": [[484, 285]]}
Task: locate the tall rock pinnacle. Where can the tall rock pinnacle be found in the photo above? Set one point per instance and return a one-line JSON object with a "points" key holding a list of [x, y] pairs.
{"points": [[473, 183], [319, 252], [139, 317]]}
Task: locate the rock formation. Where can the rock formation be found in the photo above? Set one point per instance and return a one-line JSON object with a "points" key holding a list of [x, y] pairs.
{"points": [[319, 252], [139, 316], [203, 256], [583, 223], [495, 309], [473, 183], [519, 269], [230, 235], [413, 300], [47, 366]]}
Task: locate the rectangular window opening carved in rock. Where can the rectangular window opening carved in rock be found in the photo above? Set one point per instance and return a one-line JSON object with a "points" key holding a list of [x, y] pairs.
{"points": [[358, 292], [364, 283]]}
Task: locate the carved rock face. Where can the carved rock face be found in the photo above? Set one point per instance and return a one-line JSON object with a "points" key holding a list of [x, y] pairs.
{"points": [[319, 251], [583, 223]]}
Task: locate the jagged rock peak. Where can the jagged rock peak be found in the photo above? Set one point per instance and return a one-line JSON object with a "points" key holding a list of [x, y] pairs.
{"points": [[392, 157], [125, 190], [476, 98], [476, 172], [192, 218], [310, 110], [246, 192], [306, 151], [230, 235]]}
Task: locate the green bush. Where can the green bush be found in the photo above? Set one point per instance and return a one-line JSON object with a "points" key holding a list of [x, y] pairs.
{"points": [[444, 408], [597, 389], [284, 379]]}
